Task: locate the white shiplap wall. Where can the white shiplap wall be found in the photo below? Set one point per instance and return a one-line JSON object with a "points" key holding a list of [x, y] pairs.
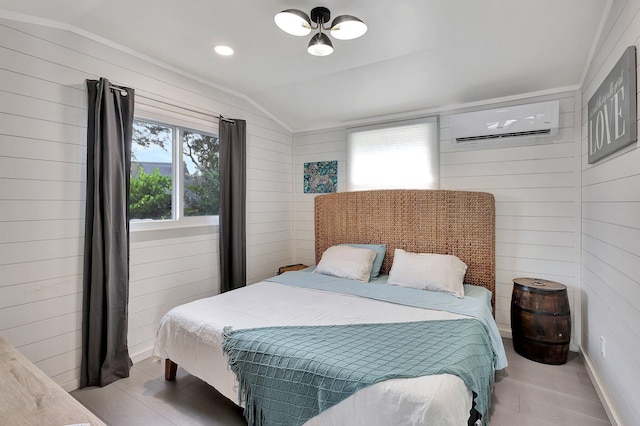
{"points": [[537, 200], [611, 240], [42, 192], [168, 268], [328, 145], [537, 204]]}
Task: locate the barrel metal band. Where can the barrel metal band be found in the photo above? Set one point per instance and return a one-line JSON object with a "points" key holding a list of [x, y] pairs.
{"points": [[546, 314]]}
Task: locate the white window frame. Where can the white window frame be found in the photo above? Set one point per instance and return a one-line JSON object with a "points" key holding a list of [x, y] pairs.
{"points": [[372, 132], [179, 220]]}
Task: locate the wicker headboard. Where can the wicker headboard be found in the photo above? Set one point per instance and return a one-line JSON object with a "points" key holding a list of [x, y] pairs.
{"points": [[461, 223]]}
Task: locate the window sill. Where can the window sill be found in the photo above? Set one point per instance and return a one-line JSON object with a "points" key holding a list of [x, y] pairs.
{"points": [[185, 222], [155, 230]]}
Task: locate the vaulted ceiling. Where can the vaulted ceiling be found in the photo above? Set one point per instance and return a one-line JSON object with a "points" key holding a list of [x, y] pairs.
{"points": [[417, 54]]}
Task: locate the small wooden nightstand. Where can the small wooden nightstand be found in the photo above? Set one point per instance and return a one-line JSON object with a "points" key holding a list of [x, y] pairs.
{"points": [[294, 267], [540, 320]]}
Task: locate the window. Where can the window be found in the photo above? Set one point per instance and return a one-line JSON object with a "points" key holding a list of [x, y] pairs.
{"points": [[401, 155], [174, 173]]}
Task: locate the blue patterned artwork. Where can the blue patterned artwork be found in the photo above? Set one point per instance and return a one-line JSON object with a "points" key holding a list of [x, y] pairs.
{"points": [[321, 177]]}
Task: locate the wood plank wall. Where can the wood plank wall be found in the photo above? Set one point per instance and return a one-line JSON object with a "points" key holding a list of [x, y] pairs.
{"points": [[537, 199], [329, 145], [611, 238], [537, 203], [42, 193]]}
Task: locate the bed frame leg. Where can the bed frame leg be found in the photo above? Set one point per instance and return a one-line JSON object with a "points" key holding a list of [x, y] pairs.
{"points": [[170, 369]]}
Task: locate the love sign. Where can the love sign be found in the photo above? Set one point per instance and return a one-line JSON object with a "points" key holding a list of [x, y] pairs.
{"points": [[612, 119]]}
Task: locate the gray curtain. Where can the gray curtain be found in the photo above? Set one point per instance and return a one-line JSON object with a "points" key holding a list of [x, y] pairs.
{"points": [[105, 356], [232, 204]]}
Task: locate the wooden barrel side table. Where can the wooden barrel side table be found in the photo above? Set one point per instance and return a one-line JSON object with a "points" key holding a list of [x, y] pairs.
{"points": [[540, 320]]}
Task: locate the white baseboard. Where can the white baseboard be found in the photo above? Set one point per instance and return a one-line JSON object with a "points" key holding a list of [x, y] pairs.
{"points": [[607, 403], [141, 355], [75, 383], [505, 332], [71, 385]]}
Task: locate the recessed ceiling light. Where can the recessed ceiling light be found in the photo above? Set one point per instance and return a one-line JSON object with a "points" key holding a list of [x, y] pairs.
{"points": [[223, 50]]}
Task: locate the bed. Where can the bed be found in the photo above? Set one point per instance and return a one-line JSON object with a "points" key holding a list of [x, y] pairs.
{"points": [[300, 304]]}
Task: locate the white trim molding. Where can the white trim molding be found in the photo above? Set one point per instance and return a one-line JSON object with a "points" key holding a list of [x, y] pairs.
{"points": [[606, 400]]}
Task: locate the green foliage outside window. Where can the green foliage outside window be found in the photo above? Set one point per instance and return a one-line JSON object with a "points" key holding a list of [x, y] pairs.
{"points": [[150, 196], [202, 185], [151, 193]]}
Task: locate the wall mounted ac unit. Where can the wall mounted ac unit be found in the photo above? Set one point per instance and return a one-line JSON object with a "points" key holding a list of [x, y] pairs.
{"points": [[520, 121]]}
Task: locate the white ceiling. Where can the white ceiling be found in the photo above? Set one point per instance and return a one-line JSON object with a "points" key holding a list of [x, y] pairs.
{"points": [[417, 54]]}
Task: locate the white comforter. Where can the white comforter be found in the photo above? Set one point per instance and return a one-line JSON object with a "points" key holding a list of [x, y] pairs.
{"points": [[191, 336]]}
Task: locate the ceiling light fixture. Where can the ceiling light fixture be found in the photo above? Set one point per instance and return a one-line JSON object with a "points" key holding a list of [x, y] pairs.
{"points": [[298, 23], [223, 50]]}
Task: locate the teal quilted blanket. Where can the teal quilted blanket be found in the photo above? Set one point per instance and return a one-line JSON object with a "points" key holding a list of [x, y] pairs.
{"points": [[288, 375], [476, 302]]}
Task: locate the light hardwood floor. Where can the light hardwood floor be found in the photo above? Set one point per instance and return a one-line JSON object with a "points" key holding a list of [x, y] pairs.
{"points": [[528, 393]]}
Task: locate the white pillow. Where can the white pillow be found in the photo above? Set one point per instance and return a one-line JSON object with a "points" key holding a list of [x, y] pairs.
{"points": [[347, 262], [427, 271]]}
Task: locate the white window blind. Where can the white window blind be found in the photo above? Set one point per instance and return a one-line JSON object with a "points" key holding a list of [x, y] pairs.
{"points": [[401, 155]]}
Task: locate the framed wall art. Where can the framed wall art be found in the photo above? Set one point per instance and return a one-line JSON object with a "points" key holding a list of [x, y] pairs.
{"points": [[321, 177]]}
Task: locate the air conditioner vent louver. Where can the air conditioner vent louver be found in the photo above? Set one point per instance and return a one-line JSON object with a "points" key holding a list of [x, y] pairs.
{"points": [[543, 132], [506, 124]]}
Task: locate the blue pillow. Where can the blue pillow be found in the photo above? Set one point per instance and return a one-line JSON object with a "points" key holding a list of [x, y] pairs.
{"points": [[380, 250]]}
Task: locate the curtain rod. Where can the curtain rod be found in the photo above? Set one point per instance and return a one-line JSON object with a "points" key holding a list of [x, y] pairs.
{"points": [[116, 87], [228, 120], [123, 92], [201, 112], [121, 89]]}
